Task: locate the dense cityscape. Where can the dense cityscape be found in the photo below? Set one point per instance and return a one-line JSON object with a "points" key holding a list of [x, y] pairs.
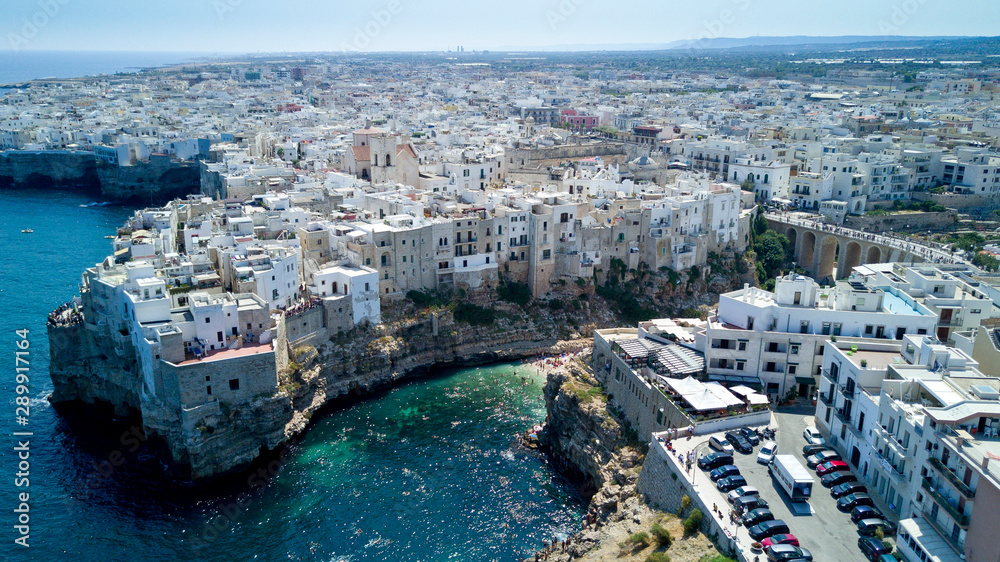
{"points": [[703, 256]]}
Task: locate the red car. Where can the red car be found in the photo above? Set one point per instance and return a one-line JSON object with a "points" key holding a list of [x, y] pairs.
{"points": [[831, 466], [779, 539]]}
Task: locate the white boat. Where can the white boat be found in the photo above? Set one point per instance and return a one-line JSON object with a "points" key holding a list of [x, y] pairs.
{"points": [[27, 231]]}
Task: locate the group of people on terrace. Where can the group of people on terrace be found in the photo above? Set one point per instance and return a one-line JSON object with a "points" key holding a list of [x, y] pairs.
{"points": [[66, 314]]}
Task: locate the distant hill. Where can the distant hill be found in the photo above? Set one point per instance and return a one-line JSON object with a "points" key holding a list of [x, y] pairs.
{"points": [[721, 43], [796, 40]]}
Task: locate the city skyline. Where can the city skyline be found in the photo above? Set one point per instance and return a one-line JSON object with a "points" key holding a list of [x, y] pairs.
{"points": [[241, 26]]}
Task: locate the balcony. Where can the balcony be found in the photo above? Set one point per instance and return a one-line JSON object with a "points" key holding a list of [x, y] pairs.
{"points": [[847, 392], [891, 470], [958, 516], [953, 478], [826, 398], [829, 377], [843, 417], [946, 535]]}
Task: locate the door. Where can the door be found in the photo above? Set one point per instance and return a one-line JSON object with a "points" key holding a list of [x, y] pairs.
{"points": [[855, 457]]}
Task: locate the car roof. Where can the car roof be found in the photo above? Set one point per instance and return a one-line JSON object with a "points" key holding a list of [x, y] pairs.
{"points": [[871, 540], [769, 444], [874, 521]]}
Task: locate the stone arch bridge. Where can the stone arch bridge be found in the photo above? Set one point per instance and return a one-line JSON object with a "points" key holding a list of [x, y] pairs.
{"points": [[830, 252]]}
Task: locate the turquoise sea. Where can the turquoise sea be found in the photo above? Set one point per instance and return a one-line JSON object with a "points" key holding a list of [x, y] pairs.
{"points": [[430, 470]]}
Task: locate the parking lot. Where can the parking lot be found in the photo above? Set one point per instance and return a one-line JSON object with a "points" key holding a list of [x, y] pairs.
{"points": [[821, 528]]}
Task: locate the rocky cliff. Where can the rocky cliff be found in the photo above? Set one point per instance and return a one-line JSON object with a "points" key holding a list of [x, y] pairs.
{"points": [[89, 367], [156, 181]]}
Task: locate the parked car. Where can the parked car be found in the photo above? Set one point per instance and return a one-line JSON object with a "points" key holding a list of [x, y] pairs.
{"points": [[867, 527], [813, 436], [831, 466], [872, 548], [714, 460], [841, 490], [779, 539], [821, 457], [740, 492], [850, 501], [721, 445], [750, 435], [865, 512], [768, 529], [783, 552], [741, 444], [834, 478], [767, 452], [748, 503], [756, 516], [730, 483], [809, 450], [723, 471]]}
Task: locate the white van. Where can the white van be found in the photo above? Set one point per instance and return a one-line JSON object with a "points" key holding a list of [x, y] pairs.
{"points": [[767, 452], [720, 444]]}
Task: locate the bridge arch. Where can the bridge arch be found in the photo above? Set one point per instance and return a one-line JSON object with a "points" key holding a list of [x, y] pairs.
{"points": [[850, 260], [807, 253], [829, 254], [874, 255], [792, 236]]}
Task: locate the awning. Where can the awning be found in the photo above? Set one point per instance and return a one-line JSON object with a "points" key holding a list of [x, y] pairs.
{"points": [[757, 399], [805, 380], [122, 251]]}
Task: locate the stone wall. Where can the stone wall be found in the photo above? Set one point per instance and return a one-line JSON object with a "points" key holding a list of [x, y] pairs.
{"points": [[901, 221], [959, 202], [663, 483], [254, 374], [304, 323]]}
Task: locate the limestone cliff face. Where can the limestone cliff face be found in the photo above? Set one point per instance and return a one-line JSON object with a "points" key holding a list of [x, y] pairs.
{"points": [[88, 368], [155, 181], [579, 433]]}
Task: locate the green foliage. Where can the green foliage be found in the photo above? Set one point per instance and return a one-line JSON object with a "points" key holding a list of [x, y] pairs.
{"points": [[425, 299], [640, 539], [474, 314], [693, 274], [986, 261], [693, 522], [923, 206], [588, 394], [968, 241], [772, 251], [517, 293], [715, 558], [624, 301], [555, 304], [658, 557], [581, 281], [685, 502], [661, 535]]}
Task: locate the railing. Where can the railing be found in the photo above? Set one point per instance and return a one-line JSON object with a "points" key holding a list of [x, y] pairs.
{"points": [[843, 417], [826, 398], [953, 478], [959, 517], [889, 468], [945, 534], [847, 392]]}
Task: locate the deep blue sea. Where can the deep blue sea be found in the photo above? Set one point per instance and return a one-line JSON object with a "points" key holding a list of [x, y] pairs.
{"points": [[16, 66], [430, 470]]}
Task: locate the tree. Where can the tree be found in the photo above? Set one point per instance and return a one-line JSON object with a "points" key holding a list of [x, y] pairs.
{"points": [[986, 261], [772, 252]]}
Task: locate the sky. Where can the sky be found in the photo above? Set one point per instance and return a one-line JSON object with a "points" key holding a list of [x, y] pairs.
{"points": [[251, 26]]}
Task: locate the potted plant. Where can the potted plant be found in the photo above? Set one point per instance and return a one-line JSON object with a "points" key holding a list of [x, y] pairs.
{"points": [[756, 547]]}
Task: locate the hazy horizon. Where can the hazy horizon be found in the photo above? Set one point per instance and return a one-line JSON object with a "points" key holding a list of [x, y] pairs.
{"points": [[230, 27]]}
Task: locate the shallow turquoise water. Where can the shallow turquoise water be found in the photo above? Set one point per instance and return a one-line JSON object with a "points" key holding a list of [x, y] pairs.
{"points": [[430, 470]]}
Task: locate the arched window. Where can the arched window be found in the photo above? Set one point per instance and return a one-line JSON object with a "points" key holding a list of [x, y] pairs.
{"points": [[388, 161], [765, 178], [375, 162]]}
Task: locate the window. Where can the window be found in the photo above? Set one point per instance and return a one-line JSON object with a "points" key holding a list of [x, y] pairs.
{"points": [[804, 327], [208, 320], [234, 384], [869, 329], [792, 368], [740, 365], [749, 322], [794, 349], [208, 390], [742, 346]]}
